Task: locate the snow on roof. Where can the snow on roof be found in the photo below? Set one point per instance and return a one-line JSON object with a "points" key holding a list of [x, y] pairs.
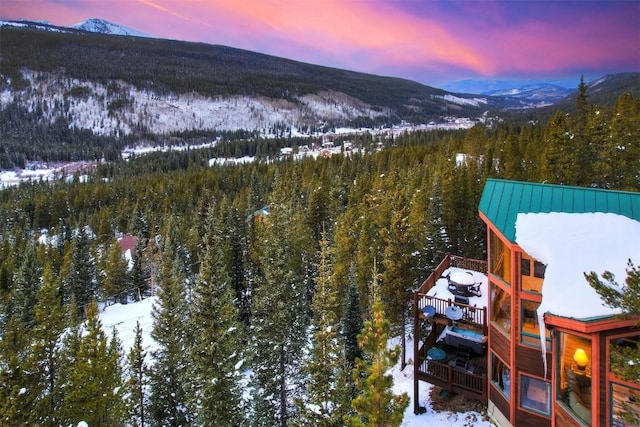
{"points": [[571, 244]]}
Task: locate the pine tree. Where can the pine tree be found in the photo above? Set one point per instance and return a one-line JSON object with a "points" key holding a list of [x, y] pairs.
{"points": [[95, 383], [625, 360], [352, 325], [168, 375], [437, 240], [279, 309], [16, 400], [400, 266], [44, 361], [376, 405], [26, 285], [625, 133], [234, 233], [70, 347], [137, 276], [322, 405], [216, 350], [115, 281], [560, 155], [81, 281], [137, 382]]}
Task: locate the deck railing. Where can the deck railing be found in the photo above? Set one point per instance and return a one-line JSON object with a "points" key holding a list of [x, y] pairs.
{"points": [[469, 264], [452, 261], [472, 314], [453, 379]]}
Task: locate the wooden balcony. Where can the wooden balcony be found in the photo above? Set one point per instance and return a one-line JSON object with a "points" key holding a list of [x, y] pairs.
{"points": [[449, 377], [471, 380]]}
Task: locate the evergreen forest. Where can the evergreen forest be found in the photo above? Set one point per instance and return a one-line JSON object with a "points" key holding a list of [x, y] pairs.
{"points": [[298, 296]]}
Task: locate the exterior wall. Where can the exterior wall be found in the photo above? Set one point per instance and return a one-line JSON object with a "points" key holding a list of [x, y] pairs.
{"points": [[562, 417], [521, 358], [497, 416], [500, 405]]}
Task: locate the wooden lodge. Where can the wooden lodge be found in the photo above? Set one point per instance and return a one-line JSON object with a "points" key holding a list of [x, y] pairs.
{"points": [[539, 369]]}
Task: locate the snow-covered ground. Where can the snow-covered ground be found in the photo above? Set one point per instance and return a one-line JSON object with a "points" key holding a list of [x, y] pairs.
{"points": [[124, 317], [55, 171]]}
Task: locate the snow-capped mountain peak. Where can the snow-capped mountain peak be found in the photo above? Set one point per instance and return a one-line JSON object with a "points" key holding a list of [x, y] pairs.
{"points": [[105, 27]]}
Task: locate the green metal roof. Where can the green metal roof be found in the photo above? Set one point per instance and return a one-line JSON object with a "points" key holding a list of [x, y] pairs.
{"points": [[502, 201]]}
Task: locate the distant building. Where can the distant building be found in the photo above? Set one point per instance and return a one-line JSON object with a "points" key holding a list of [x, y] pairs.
{"points": [[259, 215]]}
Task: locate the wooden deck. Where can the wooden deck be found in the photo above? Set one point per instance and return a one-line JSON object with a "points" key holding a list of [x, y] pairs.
{"points": [[471, 382]]}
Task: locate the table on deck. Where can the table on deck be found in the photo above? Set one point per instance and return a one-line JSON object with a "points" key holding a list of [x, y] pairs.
{"points": [[435, 353], [462, 282]]}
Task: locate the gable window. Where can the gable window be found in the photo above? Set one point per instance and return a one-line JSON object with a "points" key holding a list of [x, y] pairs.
{"points": [[531, 274], [500, 258], [535, 395], [574, 376]]}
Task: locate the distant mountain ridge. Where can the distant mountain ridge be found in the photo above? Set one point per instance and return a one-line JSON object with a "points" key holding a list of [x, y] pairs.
{"points": [[119, 85], [173, 68], [485, 87], [530, 93], [102, 26]]}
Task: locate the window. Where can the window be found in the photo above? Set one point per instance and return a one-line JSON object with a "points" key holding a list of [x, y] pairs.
{"points": [[500, 258], [620, 350], [501, 376], [625, 406], [531, 274], [574, 377], [501, 308], [530, 326], [535, 395], [625, 399]]}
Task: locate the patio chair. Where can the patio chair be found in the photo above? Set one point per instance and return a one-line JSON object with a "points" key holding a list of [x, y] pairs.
{"points": [[452, 288], [475, 289], [463, 356]]}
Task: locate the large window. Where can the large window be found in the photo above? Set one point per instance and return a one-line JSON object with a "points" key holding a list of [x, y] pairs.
{"points": [[574, 379], [625, 399], [535, 395], [531, 274], [530, 325], [625, 406], [501, 308], [500, 258], [501, 376]]}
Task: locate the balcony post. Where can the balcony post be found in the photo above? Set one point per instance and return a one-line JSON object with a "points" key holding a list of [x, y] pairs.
{"points": [[416, 357]]}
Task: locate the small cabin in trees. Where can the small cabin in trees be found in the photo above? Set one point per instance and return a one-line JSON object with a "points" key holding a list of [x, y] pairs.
{"points": [[549, 335]]}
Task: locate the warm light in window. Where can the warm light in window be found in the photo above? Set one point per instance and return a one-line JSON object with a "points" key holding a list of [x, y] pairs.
{"points": [[581, 358]]}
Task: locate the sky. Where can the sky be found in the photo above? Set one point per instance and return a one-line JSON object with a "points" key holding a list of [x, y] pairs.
{"points": [[428, 41]]}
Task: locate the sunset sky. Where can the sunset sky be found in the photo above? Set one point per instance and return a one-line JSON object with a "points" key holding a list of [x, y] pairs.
{"points": [[429, 41]]}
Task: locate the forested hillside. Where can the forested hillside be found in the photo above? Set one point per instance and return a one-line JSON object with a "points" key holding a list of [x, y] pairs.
{"points": [[76, 95], [331, 220]]}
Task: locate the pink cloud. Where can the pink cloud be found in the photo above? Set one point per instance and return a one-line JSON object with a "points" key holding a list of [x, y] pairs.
{"points": [[476, 38], [346, 29]]}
